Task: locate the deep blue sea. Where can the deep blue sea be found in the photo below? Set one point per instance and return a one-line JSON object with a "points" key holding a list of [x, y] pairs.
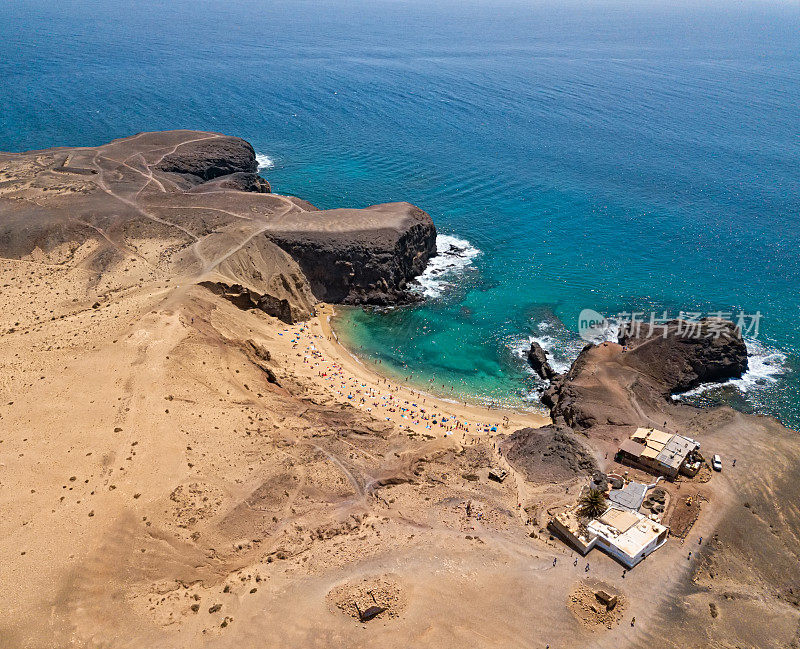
{"points": [[620, 156]]}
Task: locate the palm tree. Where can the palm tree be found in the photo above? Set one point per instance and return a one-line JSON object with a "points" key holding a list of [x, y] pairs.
{"points": [[592, 503]]}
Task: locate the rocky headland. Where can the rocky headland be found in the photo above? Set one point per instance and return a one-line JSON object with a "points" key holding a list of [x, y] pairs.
{"points": [[188, 457], [192, 203], [631, 382]]}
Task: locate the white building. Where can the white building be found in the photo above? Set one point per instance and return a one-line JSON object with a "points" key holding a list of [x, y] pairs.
{"points": [[626, 535]]}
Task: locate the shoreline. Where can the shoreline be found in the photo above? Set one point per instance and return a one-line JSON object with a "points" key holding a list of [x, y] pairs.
{"points": [[457, 394], [405, 405]]}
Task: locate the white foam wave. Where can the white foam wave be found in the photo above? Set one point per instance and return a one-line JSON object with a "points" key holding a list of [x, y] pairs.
{"points": [[765, 365], [264, 161], [453, 256], [561, 350]]}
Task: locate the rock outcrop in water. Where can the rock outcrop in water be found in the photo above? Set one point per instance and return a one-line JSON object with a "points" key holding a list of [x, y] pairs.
{"points": [[192, 203], [626, 383], [537, 359]]}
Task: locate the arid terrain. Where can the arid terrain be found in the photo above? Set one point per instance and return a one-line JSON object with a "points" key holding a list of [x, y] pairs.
{"points": [[189, 459]]}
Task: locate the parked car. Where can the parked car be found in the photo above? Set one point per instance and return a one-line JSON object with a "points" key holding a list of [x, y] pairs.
{"points": [[716, 463]]}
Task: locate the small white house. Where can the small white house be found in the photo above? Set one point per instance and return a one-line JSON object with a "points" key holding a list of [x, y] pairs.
{"points": [[626, 535]]}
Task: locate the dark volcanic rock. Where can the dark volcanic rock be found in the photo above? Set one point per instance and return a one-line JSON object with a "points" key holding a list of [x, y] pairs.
{"points": [[690, 353], [245, 299], [630, 384], [209, 158], [537, 359], [361, 256], [238, 181], [551, 453]]}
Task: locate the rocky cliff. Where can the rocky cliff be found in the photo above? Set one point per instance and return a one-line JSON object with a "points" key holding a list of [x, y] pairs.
{"points": [[361, 256], [630, 382], [205, 159], [193, 205]]}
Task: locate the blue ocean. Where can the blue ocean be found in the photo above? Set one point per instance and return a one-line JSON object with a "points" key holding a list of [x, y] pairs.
{"points": [[618, 156]]}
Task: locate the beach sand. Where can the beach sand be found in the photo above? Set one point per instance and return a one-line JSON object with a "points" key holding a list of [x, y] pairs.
{"points": [[164, 452], [348, 378], [176, 471]]}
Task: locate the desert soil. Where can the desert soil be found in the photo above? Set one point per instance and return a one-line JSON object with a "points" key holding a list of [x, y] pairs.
{"points": [[178, 472]]}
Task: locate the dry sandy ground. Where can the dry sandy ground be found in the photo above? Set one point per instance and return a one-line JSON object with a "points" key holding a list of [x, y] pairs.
{"points": [[178, 472], [159, 487]]}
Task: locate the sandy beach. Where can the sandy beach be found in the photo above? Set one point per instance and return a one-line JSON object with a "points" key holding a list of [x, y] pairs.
{"points": [[348, 379]]}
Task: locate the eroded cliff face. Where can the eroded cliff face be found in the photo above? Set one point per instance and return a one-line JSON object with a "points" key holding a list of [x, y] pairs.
{"points": [[352, 264], [192, 205], [262, 276], [629, 383]]}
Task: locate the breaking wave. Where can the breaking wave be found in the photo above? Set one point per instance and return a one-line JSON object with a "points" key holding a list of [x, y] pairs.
{"points": [[765, 365], [453, 256], [264, 161], [561, 345]]}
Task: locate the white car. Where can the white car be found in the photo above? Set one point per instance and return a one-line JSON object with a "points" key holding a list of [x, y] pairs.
{"points": [[716, 463]]}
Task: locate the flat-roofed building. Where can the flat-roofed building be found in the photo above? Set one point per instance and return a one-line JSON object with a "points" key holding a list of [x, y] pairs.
{"points": [[658, 452], [626, 535]]}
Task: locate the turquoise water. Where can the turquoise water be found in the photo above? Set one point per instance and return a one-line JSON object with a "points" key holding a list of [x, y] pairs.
{"points": [[615, 156]]}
